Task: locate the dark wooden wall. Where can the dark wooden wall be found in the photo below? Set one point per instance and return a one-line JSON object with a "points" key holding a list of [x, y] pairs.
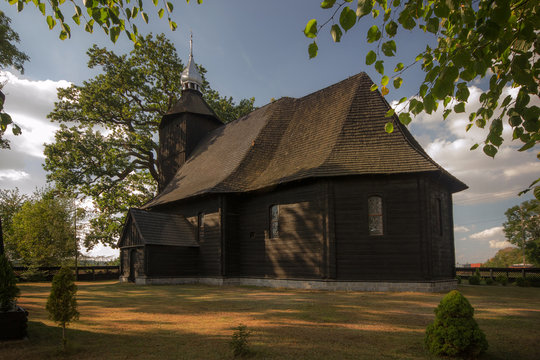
{"points": [[135, 256], [298, 251], [210, 263], [394, 255], [172, 260]]}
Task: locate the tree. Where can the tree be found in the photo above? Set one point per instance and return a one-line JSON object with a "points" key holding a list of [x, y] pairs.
{"points": [[62, 303], [11, 202], [522, 228], [42, 231], [9, 56], [8, 285], [505, 258], [106, 148]]}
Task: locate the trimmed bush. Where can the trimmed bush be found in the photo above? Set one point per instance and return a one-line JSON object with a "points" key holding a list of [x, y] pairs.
{"points": [[489, 281], [8, 285], [476, 278], [502, 279], [458, 278], [454, 331], [523, 282]]}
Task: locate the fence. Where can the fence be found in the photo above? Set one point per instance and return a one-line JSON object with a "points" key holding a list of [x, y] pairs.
{"points": [[83, 273], [511, 273]]}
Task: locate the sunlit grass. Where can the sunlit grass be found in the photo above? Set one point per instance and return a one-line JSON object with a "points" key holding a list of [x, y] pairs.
{"points": [[124, 321]]}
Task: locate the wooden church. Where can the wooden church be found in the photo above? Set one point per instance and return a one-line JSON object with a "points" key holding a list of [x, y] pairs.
{"points": [[307, 193]]}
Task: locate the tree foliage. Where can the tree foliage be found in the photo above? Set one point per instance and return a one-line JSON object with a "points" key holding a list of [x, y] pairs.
{"points": [[495, 39], [114, 17], [62, 303], [454, 331], [9, 56], [505, 258], [522, 228], [42, 232], [11, 201], [106, 148]]}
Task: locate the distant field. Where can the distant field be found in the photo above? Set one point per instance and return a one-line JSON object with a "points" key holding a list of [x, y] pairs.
{"points": [[124, 321]]}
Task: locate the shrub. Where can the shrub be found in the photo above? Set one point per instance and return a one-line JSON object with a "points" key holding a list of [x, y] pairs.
{"points": [[8, 285], [33, 274], [239, 341], [476, 278], [502, 279], [458, 278], [454, 331], [62, 304], [489, 281], [523, 282]]}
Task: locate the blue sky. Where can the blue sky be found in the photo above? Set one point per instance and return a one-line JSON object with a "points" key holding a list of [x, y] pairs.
{"points": [[258, 49]]}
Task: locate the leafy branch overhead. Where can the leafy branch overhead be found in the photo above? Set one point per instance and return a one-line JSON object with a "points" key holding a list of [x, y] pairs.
{"points": [[495, 39], [114, 17]]}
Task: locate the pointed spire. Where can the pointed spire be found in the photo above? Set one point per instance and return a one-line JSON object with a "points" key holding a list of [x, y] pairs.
{"points": [[191, 78]]}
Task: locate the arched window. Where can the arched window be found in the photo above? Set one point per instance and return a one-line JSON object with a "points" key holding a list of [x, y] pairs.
{"points": [[200, 226], [274, 221], [375, 215]]}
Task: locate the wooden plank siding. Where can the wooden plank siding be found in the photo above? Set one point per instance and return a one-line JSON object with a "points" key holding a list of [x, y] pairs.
{"points": [[172, 260], [394, 255], [298, 251], [210, 244]]}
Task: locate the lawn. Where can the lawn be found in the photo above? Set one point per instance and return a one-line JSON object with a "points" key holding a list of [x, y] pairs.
{"points": [[124, 321]]}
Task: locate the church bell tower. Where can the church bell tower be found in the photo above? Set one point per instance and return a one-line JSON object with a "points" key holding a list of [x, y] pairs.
{"points": [[184, 125]]}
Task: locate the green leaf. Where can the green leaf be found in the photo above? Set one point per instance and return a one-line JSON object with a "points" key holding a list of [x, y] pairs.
{"points": [[447, 101], [379, 67], [446, 113], [374, 87], [373, 34], [327, 4], [170, 6], [441, 9], [405, 118], [389, 113], [468, 127], [399, 67], [144, 16], [433, 25], [311, 29], [41, 8], [462, 93], [391, 28], [155, 2], [76, 19], [389, 48], [384, 80], [371, 57], [389, 127], [50, 21], [63, 35], [402, 100], [364, 7], [506, 101], [460, 108], [490, 150], [397, 82], [536, 192], [384, 91], [347, 18], [313, 49], [16, 129], [160, 13], [173, 25], [430, 104], [475, 146], [336, 33]]}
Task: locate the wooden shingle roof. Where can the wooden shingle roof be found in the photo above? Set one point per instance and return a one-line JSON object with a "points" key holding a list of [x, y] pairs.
{"points": [[335, 131], [156, 228]]}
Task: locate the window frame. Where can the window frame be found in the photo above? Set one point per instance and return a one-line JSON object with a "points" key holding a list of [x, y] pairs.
{"points": [[272, 220], [378, 215]]}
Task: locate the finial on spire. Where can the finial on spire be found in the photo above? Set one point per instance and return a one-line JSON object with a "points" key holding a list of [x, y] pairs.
{"points": [[191, 78]]}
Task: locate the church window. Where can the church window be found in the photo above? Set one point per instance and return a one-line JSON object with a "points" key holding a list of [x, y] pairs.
{"points": [[375, 215], [274, 221], [200, 226]]}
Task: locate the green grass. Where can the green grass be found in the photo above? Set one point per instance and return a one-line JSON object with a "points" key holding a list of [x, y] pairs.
{"points": [[124, 321]]}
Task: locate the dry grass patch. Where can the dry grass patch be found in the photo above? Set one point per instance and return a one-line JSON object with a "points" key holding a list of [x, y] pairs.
{"points": [[123, 321]]}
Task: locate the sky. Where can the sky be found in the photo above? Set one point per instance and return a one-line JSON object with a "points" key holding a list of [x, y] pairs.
{"points": [[258, 49]]}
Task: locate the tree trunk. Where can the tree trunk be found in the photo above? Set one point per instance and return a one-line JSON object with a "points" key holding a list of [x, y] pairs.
{"points": [[64, 336]]}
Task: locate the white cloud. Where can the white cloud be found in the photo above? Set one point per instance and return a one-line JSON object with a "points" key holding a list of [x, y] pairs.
{"points": [[461, 229], [489, 180], [494, 232], [13, 175], [494, 244]]}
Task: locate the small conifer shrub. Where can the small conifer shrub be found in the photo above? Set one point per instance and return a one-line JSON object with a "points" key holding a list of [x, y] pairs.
{"points": [[454, 331], [8, 285], [62, 304], [239, 341], [458, 278], [523, 282], [489, 281]]}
